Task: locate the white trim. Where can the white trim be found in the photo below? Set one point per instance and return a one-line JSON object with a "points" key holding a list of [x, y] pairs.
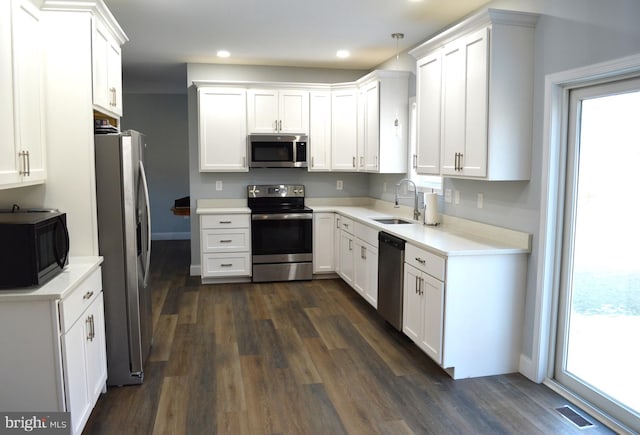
{"points": [[557, 88], [171, 236], [194, 270], [526, 367]]}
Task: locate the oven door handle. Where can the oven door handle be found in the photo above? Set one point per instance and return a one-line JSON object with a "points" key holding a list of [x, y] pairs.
{"points": [[281, 216]]}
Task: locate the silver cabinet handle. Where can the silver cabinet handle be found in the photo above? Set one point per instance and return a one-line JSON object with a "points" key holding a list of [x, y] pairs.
{"points": [[417, 278], [415, 161], [87, 295], [376, 161], [420, 260], [338, 223], [225, 241], [350, 245], [280, 125], [28, 163], [345, 225], [224, 222], [421, 285], [363, 252], [88, 323], [312, 162], [354, 161], [361, 161], [226, 265]]}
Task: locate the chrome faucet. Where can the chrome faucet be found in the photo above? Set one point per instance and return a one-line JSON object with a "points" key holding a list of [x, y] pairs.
{"points": [[416, 208]]}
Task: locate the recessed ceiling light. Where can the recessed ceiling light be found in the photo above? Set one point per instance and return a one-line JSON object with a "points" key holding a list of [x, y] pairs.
{"points": [[223, 53], [342, 54]]}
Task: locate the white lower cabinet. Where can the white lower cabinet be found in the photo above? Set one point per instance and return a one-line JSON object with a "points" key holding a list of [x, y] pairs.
{"points": [[323, 242], [423, 311], [358, 258], [465, 311], [225, 244], [53, 344]]}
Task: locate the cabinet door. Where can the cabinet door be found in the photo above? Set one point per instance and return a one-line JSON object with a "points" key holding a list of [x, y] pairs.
{"points": [[222, 130], [95, 350], [75, 372], [453, 106], [320, 131], [100, 58], [344, 122], [465, 106], [262, 111], [365, 279], [114, 77], [429, 90], [293, 112], [323, 241], [432, 327], [412, 304], [474, 159], [29, 89], [337, 244], [8, 150], [371, 97], [347, 247]]}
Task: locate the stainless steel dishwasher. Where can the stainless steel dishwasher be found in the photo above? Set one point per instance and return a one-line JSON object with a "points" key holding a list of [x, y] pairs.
{"points": [[390, 278]]}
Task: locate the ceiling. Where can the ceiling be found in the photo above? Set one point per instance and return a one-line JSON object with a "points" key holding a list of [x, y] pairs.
{"points": [[166, 34]]}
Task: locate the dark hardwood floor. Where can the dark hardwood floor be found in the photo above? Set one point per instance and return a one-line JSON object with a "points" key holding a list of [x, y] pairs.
{"points": [[301, 358]]}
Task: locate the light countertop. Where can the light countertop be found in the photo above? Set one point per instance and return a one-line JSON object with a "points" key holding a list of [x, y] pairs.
{"points": [[454, 236], [58, 287]]}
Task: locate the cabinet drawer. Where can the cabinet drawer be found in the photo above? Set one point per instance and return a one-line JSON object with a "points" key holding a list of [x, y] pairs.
{"points": [[425, 261], [216, 265], [366, 234], [231, 240], [346, 224], [225, 221], [72, 306]]}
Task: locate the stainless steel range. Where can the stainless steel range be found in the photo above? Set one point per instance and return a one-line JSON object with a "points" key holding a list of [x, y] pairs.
{"points": [[281, 233]]}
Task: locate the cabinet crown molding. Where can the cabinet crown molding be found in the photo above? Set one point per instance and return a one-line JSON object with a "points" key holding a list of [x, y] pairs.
{"points": [[477, 21], [96, 7]]}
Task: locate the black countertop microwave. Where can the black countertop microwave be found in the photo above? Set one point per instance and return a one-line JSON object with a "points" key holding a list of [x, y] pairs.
{"points": [[278, 151], [34, 247]]}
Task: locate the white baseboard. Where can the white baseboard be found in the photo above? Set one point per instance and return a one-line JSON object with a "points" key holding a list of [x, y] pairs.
{"points": [[527, 368], [194, 270], [171, 236]]}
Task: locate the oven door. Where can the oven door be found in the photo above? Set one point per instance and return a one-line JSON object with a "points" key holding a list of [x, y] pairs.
{"points": [[281, 237]]}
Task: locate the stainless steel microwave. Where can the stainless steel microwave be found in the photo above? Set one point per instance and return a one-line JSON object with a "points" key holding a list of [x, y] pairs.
{"points": [[35, 247], [278, 151]]}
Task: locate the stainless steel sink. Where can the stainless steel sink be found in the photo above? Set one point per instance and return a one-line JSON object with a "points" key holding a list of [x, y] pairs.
{"points": [[392, 221]]}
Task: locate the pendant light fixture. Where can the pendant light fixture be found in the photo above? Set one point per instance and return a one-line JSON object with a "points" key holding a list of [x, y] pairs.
{"points": [[397, 37]]}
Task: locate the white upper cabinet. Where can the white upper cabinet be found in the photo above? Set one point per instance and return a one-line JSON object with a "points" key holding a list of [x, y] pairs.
{"points": [[22, 149], [344, 129], [278, 111], [484, 122], [107, 70], [319, 131], [222, 129], [382, 122], [429, 85]]}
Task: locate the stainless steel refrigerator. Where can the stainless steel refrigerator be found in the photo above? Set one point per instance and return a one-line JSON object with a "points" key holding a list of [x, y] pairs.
{"points": [[124, 233]]}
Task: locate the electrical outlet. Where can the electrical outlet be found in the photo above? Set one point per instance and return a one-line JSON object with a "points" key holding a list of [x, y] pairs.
{"points": [[219, 185], [480, 200], [447, 195], [456, 197], [339, 185]]}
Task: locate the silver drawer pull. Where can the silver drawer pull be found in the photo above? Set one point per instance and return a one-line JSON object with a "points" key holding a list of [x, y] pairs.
{"points": [[224, 222], [225, 241], [87, 295], [226, 265], [420, 260]]}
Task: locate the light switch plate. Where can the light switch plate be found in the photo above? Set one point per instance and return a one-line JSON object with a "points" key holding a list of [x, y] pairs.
{"points": [[219, 185], [447, 195], [456, 197], [339, 185], [480, 200]]}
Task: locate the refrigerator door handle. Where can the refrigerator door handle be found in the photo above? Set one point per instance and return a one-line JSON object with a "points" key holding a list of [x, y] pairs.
{"points": [[147, 261]]}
